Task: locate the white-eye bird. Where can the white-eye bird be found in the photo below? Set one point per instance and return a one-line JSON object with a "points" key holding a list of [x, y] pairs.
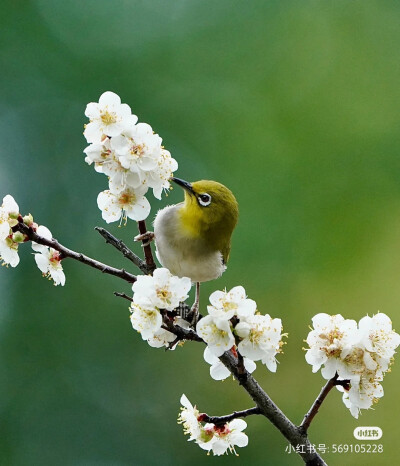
{"points": [[193, 238]]}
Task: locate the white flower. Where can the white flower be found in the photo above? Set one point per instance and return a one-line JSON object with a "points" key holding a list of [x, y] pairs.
{"points": [[162, 290], [218, 371], [46, 234], [128, 203], [107, 118], [217, 335], [9, 212], [211, 437], [188, 418], [331, 340], [161, 338], [378, 338], [102, 155], [138, 148], [226, 304], [261, 339], [48, 260], [49, 263], [158, 179], [363, 394], [146, 321], [225, 437], [9, 252]]}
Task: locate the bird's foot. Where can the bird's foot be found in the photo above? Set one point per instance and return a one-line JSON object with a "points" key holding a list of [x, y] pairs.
{"points": [[193, 314], [146, 238]]}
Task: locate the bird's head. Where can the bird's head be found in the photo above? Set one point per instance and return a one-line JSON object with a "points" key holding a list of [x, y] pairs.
{"points": [[210, 210]]}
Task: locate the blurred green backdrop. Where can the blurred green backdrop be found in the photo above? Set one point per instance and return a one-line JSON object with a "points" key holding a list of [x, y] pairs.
{"points": [[293, 105]]}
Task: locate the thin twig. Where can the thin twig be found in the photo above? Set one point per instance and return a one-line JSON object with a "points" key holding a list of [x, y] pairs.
{"points": [[66, 252], [123, 295], [319, 400], [148, 254], [122, 247], [221, 420]]}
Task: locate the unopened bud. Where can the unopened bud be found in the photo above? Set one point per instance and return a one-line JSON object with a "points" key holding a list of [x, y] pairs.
{"points": [[28, 220], [13, 215], [18, 237]]}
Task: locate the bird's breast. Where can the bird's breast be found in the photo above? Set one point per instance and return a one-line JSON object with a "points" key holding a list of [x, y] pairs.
{"points": [[181, 251]]}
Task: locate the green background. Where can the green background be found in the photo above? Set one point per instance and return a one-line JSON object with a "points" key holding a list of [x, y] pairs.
{"points": [[293, 105]]}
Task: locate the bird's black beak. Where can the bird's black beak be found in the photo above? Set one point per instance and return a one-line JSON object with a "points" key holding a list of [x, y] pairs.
{"points": [[184, 184]]}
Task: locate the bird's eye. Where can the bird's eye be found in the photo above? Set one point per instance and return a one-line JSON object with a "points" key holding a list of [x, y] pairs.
{"points": [[204, 199]]}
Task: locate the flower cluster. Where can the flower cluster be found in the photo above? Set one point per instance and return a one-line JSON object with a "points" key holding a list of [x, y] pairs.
{"points": [[153, 295], [359, 353], [210, 437], [130, 154], [232, 320], [9, 241], [47, 259]]}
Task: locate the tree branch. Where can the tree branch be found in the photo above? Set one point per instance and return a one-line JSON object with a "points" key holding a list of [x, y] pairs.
{"points": [[295, 435], [271, 411], [122, 247], [65, 252], [151, 265], [221, 420], [123, 295], [319, 400]]}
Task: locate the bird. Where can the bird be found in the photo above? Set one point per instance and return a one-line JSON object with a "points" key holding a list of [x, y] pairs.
{"points": [[193, 238]]}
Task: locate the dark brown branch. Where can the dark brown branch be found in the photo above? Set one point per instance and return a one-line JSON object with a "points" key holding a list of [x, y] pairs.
{"points": [[264, 403], [271, 411], [320, 399], [65, 252], [181, 333], [148, 254], [122, 247], [221, 420], [123, 295]]}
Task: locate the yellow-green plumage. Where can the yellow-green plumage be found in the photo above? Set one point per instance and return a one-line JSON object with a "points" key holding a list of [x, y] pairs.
{"points": [[193, 238]]}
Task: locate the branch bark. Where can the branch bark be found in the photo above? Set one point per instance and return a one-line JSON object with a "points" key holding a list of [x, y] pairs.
{"points": [[319, 400], [66, 252], [221, 420], [122, 247], [148, 254]]}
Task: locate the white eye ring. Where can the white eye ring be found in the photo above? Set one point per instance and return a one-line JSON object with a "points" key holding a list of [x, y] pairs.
{"points": [[204, 199]]}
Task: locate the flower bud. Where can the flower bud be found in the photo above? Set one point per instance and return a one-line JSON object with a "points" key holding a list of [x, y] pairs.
{"points": [[13, 215], [28, 220], [18, 237]]}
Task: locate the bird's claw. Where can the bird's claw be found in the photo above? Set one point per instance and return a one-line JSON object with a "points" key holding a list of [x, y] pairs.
{"points": [[193, 314], [146, 238]]}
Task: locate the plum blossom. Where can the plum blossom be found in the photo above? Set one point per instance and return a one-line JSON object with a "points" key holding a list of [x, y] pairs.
{"points": [[225, 437], [217, 334], [210, 437], [260, 339], [162, 290], [330, 341], [108, 117], [146, 321], [48, 259], [138, 148], [158, 179], [128, 203], [226, 304], [9, 251]]}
